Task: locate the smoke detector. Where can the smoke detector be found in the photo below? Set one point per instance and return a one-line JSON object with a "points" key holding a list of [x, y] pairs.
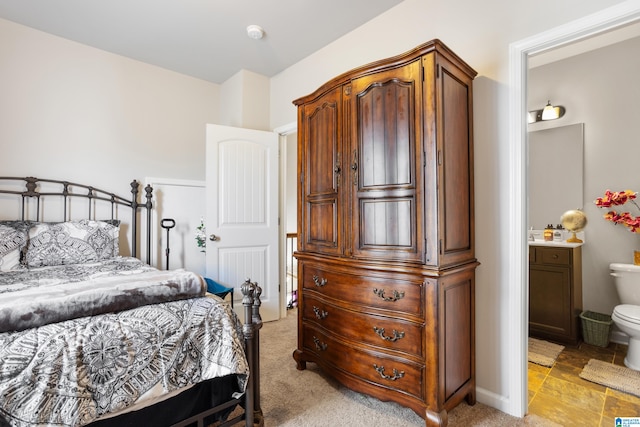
{"points": [[255, 32]]}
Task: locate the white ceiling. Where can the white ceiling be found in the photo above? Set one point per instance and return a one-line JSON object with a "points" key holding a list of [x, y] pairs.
{"points": [[206, 39]]}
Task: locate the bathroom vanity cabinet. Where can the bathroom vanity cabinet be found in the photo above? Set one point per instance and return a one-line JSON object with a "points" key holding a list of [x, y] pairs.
{"points": [[555, 292]]}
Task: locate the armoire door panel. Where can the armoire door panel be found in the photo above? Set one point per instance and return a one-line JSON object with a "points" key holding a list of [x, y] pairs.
{"points": [[321, 226], [386, 138], [387, 223], [387, 147], [322, 148], [320, 134], [456, 160], [456, 164]]}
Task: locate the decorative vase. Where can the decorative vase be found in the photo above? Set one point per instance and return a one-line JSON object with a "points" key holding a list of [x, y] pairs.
{"points": [[636, 257]]}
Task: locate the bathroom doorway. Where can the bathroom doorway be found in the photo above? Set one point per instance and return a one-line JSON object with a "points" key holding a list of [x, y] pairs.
{"points": [[520, 53]]}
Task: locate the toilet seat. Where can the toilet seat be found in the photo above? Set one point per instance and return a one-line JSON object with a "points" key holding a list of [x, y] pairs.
{"points": [[628, 312]]}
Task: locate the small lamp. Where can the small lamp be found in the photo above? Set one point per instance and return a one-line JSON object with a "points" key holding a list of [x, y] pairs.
{"points": [[551, 113]]}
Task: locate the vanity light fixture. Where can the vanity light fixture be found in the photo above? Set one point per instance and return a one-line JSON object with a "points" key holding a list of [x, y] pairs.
{"points": [[549, 112], [255, 32]]}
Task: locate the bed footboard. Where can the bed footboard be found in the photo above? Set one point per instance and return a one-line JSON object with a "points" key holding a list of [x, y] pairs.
{"points": [[252, 415]]}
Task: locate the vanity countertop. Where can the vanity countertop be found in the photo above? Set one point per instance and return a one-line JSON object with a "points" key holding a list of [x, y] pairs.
{"points": [[563, 244]]}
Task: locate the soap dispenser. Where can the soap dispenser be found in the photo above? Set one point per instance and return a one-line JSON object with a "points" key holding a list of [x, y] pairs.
{"points": [[548, 233], [558, 234]]}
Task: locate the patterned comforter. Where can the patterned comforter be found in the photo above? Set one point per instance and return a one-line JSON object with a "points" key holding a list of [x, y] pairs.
{"points": [[39, 296], [72, 372]]}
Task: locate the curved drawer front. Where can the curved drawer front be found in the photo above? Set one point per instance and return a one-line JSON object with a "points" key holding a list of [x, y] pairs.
{"points": [[388, 372], [370, 329], [396, 295]]}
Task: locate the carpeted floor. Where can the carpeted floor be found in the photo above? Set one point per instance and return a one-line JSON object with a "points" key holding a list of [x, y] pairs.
{"points": [[309, 398]]}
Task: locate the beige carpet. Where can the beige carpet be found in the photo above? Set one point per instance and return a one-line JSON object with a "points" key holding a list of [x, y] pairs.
{"points": [[309, 398], [543, 352], [613, 376]]}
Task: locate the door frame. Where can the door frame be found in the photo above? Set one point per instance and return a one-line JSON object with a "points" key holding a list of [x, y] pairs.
{"points": [[283, 132], [516, 190]]}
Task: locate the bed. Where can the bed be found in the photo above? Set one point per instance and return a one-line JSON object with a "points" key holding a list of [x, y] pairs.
{"points": [[90, 335]]}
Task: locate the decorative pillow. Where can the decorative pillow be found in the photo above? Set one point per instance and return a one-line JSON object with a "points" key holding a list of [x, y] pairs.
{"points": [[73, 242], [13, 240], [114, 222]]}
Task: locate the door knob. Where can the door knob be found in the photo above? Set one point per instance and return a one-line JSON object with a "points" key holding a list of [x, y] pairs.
{"points": [[213, 237]]}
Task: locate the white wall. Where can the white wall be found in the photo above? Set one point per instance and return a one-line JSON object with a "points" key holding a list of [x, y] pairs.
{"points": [[481, 34], [599, 89], [69, 111], [72, 112], [291, 185], [244, 101], [182, 201]]}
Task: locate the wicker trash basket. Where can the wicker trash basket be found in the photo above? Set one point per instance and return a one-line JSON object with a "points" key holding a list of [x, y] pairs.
{"points": [[595, 328]]}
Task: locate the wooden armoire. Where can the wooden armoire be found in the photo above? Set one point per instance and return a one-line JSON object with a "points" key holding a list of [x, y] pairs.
{"points": [[386, 261]]}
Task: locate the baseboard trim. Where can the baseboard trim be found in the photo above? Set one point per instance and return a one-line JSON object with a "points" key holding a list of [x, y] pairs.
{"points": [[494, 400], [619, 337]]}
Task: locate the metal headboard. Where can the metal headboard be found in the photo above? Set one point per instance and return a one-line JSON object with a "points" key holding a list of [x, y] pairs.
{"points": [[69, 190]]}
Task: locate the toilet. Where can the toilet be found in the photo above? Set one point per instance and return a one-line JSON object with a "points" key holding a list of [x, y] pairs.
{"points": [[626, 316]]}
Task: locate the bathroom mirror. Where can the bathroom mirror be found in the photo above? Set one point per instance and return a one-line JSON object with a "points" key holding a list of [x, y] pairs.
{"points": [[555, 173]]}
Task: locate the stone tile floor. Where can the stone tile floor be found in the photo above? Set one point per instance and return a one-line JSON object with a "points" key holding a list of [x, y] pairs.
{"points": [[560, 395]]}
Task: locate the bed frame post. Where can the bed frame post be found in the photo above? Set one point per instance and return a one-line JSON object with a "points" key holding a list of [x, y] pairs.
{"points": [[148, 190], [134, 218], [251, 301], [135, 187], [257, 325], [248, 331]]}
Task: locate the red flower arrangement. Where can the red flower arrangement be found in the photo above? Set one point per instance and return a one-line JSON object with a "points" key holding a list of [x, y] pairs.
{"points": [[614, 198]]}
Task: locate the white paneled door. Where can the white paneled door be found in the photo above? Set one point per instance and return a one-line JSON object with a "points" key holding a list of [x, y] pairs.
{"points": [[242, 212]]}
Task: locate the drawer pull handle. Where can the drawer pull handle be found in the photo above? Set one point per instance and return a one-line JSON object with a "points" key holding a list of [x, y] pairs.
{"points": [[555, 256], [320, 346], [396, 335], [319, 282], [320, 314], [396, 375], [396, 295]]}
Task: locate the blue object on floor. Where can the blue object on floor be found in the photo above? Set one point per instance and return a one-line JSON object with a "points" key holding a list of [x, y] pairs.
{"points": [[217, 289]]}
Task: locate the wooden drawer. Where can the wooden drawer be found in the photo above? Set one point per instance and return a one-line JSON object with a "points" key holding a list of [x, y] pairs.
{"points": [[377, 292], [554, 256], [385, 371], [380, 331]]}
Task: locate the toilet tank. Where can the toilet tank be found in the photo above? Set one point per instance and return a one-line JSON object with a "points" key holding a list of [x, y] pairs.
{"points": [[626, 278]]}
